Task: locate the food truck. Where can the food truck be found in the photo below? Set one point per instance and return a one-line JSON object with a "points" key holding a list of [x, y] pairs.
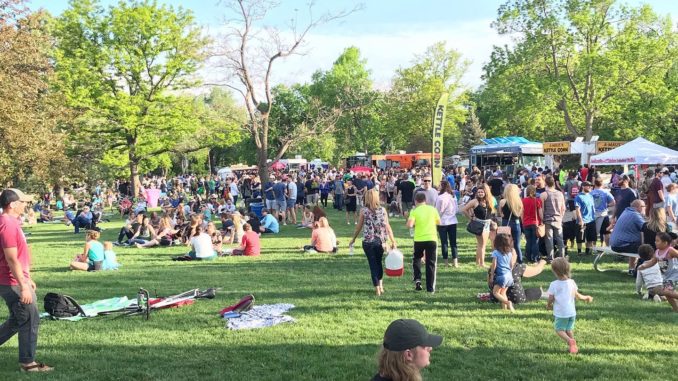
{"points": [[510, 153]]}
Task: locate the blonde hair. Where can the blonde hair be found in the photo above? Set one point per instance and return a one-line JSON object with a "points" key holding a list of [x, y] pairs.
{"points": [[108, 245], [393, 365], [512, 197], [165, 223], [489, 199], [372, 199], [237, 221], [561, 267], [657, 221], [93, 235], [323, 223]]}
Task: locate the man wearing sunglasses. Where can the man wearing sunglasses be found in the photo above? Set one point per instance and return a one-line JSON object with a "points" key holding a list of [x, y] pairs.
{"points": [[428, 190]]}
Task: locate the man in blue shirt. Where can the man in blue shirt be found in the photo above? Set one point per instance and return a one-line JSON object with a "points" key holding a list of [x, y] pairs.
{"points": [[585, 210], [280, 191], [602, 200], [627, 233], [269, 194], [269, 224], [84, 219]]}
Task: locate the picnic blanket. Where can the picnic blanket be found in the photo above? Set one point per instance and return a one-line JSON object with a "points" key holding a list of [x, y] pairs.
{"points": [[100, 306], [265, 315]]}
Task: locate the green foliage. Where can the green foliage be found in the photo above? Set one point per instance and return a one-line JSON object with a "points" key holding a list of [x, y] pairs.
{"points": [[471, 132], [347, 86], [579, 68], [117, 68], [414, 94]]}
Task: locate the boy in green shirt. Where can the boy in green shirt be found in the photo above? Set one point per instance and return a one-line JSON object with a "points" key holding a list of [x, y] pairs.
{"points": [[424, 218]]}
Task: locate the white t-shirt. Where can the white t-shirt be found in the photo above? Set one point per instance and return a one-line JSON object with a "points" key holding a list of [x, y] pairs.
{"points": [[202, 246], [652, 276], [564, 292]]}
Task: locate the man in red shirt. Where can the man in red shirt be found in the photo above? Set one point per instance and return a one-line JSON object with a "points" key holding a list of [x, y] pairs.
{"points": [[655, 193], [16, 285]]}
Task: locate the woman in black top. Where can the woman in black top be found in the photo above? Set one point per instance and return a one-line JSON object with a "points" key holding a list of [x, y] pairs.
{"points": [[481, 208], [654, 225], [511, 211]]}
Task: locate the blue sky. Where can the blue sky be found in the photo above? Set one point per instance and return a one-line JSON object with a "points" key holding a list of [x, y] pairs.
{"points": [[389, 33]]}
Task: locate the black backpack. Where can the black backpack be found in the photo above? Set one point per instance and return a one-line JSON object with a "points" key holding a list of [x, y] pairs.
{"points": [[62, 306]]}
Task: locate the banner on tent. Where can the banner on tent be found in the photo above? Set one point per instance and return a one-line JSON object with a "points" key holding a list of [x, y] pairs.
{"points": [[438, 129], [604, 146]]}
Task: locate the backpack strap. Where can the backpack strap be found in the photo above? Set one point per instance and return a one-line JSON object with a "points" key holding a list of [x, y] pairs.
{"points": [[76, 304]]}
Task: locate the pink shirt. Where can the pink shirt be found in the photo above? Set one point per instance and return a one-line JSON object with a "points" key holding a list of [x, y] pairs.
{"points": [[11, 235], [250, 241]]}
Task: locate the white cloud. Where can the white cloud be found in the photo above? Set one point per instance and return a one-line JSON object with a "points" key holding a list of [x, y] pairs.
{"points": [[385, 52]]}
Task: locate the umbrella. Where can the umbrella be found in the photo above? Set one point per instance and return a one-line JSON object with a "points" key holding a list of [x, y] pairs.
{"points": [[363, 169], [278, 166]]}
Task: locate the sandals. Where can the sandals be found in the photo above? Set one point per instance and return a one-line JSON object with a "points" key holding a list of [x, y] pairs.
{"points": [[36, 367]]}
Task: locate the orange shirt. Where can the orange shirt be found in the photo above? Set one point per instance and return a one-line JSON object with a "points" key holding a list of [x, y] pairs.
{"points": [[250, 241], [323, 239]]}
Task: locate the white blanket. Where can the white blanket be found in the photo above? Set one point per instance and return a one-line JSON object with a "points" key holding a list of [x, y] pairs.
{"points": [[266, 315]]}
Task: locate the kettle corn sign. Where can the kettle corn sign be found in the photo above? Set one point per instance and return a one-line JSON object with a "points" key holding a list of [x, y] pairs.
{"points": [[604, 146], [557, 148]]}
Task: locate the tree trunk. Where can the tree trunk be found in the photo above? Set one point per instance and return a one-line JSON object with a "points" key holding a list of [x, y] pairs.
{"points": [[133, 170]]}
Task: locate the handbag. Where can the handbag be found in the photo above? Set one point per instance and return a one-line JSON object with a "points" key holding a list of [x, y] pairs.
{"points": [[505, 229], [475, 227], [541, 229]]}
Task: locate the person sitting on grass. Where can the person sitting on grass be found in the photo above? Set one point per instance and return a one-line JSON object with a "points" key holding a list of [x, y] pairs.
{"points": [[249, 244], [235, 231], [307, 218], [215, 236], [84, 219], [201, 245], [323, 239], [164, 236], [110, 259], [92, 257], [46, 214], [269, 224], [650, 275], [406, 350], [503, 260], [562, 293]]}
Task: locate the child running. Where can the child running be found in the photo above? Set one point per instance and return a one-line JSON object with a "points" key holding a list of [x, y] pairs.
{"points": [[562, 293], [503, 260]]}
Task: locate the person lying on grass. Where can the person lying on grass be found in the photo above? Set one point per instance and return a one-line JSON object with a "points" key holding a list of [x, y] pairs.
{"points": [[323, 239], [92, 257], [406, 350], [562, 293]]}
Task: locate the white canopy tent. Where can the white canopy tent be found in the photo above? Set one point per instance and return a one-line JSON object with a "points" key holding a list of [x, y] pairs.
{"points": [[638, 151]]}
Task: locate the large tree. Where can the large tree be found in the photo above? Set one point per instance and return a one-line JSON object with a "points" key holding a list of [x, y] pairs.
{"points": [[415, 93], [575, 63], [121, 69], [250, 53], [30, 112]]}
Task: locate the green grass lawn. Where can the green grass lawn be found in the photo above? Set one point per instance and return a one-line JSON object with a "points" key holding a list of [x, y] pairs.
{"points": [[339, 321]]}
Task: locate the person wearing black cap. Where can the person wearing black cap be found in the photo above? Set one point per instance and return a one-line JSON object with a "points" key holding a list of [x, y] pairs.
{"points": [[406, 350], [16, 286]]}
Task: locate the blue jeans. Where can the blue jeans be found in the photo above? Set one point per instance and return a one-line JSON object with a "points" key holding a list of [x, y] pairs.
{"points": [[448, 238], [532, 246], [374, 252], [81, 221], [515, 233]]}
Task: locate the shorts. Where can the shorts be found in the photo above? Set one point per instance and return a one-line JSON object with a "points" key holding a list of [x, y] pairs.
{"points": [[503, 281], [270, 204], [300, 201], [668, 285], [280, 205], [571, 232], [95, 266], [291, 202], [407, 206], [602, 223], [564, 324], [590, 233]]}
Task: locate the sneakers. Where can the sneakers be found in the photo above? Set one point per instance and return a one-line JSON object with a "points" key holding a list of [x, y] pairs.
{"points": [[573, 346], [417, 286]]}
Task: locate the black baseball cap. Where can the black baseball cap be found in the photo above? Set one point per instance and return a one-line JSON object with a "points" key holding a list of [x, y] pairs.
{"points": [[405, 334], [10, 195]]}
